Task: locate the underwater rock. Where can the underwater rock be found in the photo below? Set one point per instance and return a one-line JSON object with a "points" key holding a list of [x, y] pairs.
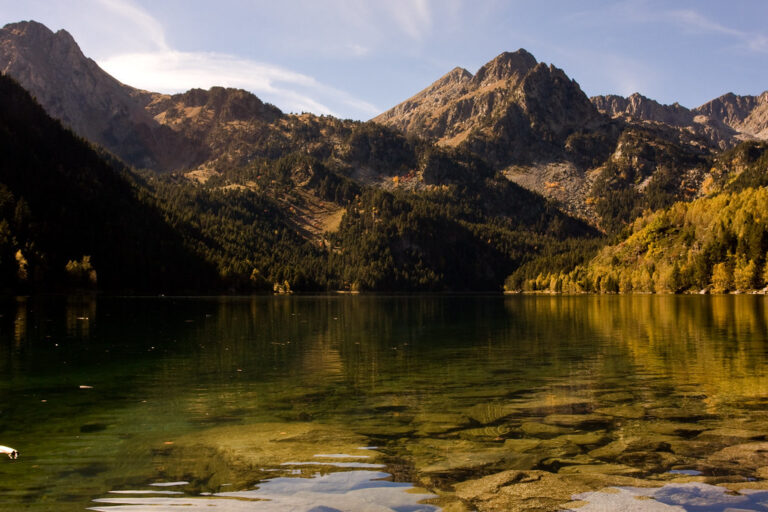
{"points": [[464, 462], [518, 491], [731, 434], [623, 411], [586, 439], [490, 412], [603, 469], [580, 421], [534, 429], [684, 413], [559, 448], [521, 445], [744, 456], [673, 428], [237, 453], [619, 396], [613, 450], [488, 433], [437, 423]]}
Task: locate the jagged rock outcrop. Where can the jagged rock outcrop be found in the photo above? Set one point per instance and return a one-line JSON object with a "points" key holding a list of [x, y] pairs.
{"points": [[722, 122], [746, 114], [639, 107]]}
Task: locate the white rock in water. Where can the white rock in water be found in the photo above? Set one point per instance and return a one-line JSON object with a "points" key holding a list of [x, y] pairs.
{"points": [[12, 454]]}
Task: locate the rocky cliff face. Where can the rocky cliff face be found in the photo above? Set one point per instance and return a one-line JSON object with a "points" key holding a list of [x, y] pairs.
{"points": [[640, 107], [748, 115], [722, 122]]}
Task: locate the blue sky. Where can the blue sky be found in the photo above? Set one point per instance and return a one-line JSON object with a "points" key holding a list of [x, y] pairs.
{"points": [[356, 58]]}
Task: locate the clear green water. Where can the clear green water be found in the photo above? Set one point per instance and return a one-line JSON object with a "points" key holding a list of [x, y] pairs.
{"points": [[348, 403]]}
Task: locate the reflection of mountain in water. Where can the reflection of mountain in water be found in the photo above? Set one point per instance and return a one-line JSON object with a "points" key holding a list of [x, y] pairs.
{"points": [[349, 491]]}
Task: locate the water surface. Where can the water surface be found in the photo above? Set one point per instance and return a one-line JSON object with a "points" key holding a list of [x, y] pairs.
{"points": [[384, 403]]}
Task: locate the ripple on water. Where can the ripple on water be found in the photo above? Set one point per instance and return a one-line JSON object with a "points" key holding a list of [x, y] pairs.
{"points": [[349, 491]]}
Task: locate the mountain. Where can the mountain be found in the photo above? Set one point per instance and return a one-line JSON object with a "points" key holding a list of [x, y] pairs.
{"points": [[525, 118], [535, 125], [723, 122], [75, 90], [512, 110], [637, 107]]}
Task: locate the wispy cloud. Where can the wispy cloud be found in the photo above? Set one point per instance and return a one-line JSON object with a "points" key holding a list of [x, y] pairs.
{"points": [[143, 23], [164, 69], [694, 21], [414, 17], [174, 71]]}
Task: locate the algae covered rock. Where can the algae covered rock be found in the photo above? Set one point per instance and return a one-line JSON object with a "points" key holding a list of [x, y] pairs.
{"points": [[744, 456]]}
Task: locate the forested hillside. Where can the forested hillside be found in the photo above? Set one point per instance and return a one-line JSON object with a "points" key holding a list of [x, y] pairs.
{"points": [[75, 218], [465, 234], [714, 244]]}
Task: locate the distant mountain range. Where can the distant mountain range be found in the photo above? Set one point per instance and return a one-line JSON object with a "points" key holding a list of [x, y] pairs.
{"points": [[470, 141]]}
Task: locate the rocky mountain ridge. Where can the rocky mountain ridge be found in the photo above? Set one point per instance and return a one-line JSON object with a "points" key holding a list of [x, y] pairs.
{"points": [[723, 122], [745, 114], [513, 94]]}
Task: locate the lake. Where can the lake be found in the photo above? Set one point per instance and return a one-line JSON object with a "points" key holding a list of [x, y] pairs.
{"points": [[385, 403]]}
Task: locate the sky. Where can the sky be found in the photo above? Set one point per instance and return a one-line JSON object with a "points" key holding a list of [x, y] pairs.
{"points": [[357, 58]]}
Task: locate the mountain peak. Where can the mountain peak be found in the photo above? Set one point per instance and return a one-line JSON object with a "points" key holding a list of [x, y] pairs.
{"points": [[506, 65], [28, 27], [222, 103], [457, 74], [34, 37]]}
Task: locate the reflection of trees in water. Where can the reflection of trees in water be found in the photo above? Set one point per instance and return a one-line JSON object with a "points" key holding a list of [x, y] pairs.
{"points": [[295, 346], [717, 343], [80, 312], [20, 321]]}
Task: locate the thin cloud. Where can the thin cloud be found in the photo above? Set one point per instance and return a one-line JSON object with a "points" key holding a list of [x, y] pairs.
{"points": [[414, 17], [166, 70], [358, 50], [145, 25], [174, 71], [694, 20]]}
